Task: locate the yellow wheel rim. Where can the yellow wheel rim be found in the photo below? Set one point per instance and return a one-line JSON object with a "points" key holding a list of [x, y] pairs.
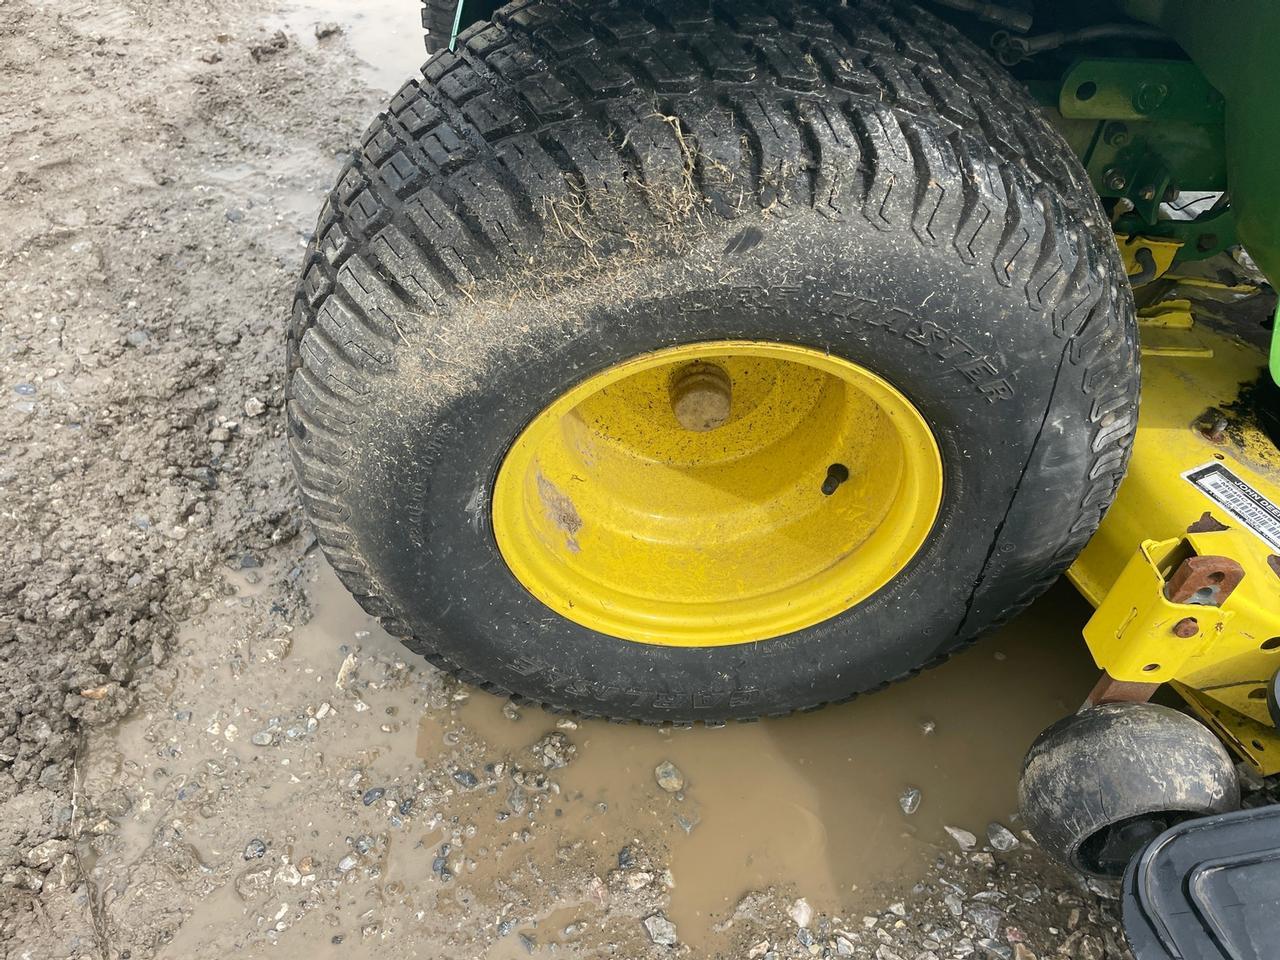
{"points": [[717, 493]]}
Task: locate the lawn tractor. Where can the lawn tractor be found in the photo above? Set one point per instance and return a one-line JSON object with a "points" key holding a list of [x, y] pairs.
{"points": [[687, 361]]}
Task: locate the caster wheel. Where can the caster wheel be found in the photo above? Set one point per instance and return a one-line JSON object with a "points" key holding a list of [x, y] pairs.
{"points": [[1098, 786]]}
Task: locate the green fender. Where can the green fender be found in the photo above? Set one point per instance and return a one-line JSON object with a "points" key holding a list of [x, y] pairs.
{"points": [[1234, 43]]}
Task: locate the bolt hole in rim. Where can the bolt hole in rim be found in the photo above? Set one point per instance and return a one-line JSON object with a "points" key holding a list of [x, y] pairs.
{"points": [[717, 493]]}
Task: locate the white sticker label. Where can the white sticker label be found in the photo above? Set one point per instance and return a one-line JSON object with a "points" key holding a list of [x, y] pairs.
{"points": [[1239, 499]]}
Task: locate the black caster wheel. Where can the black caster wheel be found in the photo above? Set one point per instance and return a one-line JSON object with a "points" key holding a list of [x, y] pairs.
{"points": [[1098, 786]]}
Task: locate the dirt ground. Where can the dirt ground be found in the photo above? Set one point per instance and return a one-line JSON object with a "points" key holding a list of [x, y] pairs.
{"points": [[207, 749]]}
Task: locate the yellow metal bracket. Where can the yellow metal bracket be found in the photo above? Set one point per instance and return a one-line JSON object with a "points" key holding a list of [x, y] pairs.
{"points": [[1168, 330], [1146, 258], [1256, 742], [1138, 634], [1218, 652]]}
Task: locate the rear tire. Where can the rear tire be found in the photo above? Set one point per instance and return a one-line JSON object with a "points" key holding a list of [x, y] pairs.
{"points": [[575, 187]]}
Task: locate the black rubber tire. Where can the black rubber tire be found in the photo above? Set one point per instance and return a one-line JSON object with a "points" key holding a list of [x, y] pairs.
{"points": [[437, 23], [1119, 775], [579, 185]]}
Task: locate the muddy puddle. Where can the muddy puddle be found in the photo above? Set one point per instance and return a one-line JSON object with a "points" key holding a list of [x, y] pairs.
{"points": [[812, 802], [321, 783], [384, 35]]}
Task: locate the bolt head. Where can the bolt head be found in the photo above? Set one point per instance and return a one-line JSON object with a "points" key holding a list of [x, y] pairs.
{"points": [[1117, 134]]}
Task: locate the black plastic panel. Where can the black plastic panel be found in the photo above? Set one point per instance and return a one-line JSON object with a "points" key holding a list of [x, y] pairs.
{"points": [[1208, 890]]}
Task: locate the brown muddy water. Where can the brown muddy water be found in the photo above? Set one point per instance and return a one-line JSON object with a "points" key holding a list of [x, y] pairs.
{"points": [[808, 803], [811, 801]]}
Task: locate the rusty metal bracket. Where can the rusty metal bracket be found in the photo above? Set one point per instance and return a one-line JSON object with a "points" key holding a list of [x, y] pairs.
{"points": [[1164, 610]]}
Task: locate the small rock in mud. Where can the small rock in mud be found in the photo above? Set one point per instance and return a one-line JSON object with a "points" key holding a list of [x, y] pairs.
{"points": [[963, 838], [669, 777], [928, 727], [345, 672], [47, 853], [263, 738], [910, 800], [466, 778], [1001, 837], [661, 930], [510, 711], [255, 849], [801, 913], [269, 47], [638, 880], [373, 795], [326, 30], [348, 863], [986, 918], [626, 859], [254, 882], [253, 407], [554, 751]]}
